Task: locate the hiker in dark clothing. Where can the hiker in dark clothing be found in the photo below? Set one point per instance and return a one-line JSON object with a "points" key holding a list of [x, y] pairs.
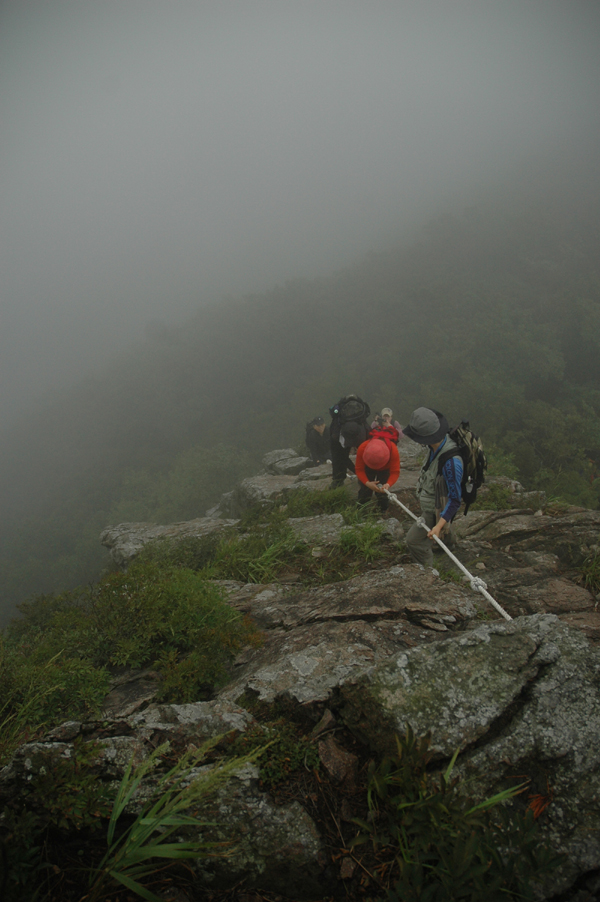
{"points": [[349, 429], [318, 441]]}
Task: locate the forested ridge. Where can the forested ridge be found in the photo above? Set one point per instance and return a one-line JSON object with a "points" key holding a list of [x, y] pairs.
{"points": [[489, 316]]}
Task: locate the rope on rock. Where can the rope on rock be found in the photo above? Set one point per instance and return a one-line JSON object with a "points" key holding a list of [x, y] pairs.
{"points": [[477, 584]]}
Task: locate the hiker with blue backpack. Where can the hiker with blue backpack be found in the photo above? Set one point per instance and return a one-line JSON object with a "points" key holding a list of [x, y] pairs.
{"points": [[451, 474]]}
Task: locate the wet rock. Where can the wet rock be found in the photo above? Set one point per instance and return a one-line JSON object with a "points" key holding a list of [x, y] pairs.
{"points": [[323, 471], [412, 455], [391, 529], [588, 622], [194, 723], [317, 639], [260, 490], [326, 724], [566, 535]]}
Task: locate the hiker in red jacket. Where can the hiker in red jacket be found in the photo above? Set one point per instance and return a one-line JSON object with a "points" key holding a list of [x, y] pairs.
{"points": [[377, 468]]}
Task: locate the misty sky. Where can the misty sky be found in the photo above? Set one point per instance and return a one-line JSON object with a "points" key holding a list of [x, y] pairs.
{"points": [[158, 154]]}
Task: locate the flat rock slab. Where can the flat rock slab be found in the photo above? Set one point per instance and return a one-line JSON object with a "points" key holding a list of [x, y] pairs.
{"points": [[129, 692], [127, 540], [305, 665], [569, 536], [118, 740], [261, 490], [407, 592], [323, 471], [291, 466], [316, 639], [271, 459], [195, 722], [533, 590]]}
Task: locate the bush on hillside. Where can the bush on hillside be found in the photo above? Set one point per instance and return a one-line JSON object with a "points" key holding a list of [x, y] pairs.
{"points": [[56, 661]]}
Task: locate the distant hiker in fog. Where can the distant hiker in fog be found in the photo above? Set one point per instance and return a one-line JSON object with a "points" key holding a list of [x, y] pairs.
{"points": [[349, 429], [318, 441], [439, 486], [384, 419], [377, 468]]}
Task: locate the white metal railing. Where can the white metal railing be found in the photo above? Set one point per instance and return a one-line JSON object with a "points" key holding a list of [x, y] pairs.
{"points": [[477, 584]]}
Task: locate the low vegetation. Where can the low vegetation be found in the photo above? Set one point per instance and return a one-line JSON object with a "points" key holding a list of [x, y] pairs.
{"points": [[56, 662], [432, 844], [264, 548]]}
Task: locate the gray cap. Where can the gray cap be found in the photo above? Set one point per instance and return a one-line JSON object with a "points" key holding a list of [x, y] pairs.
{"points": [[426, 426]]}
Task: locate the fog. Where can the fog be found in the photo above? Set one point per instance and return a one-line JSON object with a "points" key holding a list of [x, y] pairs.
{"points": [[158, 156]]}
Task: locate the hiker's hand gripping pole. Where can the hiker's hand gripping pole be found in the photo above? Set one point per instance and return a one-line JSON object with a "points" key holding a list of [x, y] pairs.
{"points": [[477, 584]]}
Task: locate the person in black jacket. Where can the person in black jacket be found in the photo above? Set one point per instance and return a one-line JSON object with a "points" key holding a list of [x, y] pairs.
{"points": [[318, 441], [349, 429]]}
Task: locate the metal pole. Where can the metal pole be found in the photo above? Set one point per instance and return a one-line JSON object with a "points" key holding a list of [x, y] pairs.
{"points": [[477, 584]]}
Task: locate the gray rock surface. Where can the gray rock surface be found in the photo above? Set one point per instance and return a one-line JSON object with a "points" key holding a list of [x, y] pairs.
{"points": [[126, 540], [318, 638], [292, 466], [521, 700], [569, 536], [325, 529], [261, 490], [273, 846], [273, 458]]}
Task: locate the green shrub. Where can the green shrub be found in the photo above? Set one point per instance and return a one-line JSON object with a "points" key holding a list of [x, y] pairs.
{"points": [[305, 503], [495, 498], [36, 831], [193, 553], [148, 845], [590, 572], [67, 793], [443, 847], [55, 661], [364, 541]]}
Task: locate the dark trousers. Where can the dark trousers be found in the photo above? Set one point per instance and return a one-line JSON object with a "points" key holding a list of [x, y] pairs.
{"points": [[365, 494], [340, 463]]}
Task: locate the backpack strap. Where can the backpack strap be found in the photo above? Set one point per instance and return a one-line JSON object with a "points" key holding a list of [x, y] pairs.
{"points": [[445, 457]]}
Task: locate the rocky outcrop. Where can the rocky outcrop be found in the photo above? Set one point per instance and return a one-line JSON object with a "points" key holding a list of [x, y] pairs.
{"points": [[569, 535], [521, 700], [274, 845], [317, 639], [285, 463], [127, 540], [395, 646]]}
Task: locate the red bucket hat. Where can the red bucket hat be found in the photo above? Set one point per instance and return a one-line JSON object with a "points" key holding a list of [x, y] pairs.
{"points": [[377, 454]]}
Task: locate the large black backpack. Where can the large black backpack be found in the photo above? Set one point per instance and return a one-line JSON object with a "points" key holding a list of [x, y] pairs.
{"points": [[350, 409], [473, 458]]}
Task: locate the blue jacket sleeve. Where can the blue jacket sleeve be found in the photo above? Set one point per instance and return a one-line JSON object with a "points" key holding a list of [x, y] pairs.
{"points": [[453, 472]]}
